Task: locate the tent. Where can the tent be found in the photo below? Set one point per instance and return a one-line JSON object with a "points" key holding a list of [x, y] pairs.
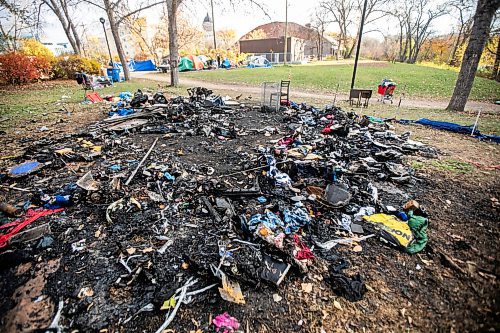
{"points": [[136, 66], [185, 64], [258, 61], [203, 58], [197, 64], [226, 64], [142, 66]]}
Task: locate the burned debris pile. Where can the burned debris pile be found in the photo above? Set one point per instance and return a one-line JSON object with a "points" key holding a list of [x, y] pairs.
{"points": [[201, 200]]}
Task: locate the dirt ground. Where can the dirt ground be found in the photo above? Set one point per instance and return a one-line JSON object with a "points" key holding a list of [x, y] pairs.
{"points": [[451, 286]]}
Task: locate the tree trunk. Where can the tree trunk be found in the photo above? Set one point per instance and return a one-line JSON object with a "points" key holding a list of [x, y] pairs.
{"points": [[496, 74], [116, 37], [173, 44], [479, 35]]}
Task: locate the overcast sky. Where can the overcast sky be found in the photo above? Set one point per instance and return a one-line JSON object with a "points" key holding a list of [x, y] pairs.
{"points": [[243, 18]]}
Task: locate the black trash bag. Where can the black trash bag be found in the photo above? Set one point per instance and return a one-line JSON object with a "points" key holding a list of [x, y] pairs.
{"points": [[351, 288], [159, 98], [139, 99]]}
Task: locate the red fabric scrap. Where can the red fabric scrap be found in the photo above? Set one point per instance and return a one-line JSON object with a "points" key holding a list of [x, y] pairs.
{"points": [[326, 130], [286, 141], [304, 251], [31, 216]]}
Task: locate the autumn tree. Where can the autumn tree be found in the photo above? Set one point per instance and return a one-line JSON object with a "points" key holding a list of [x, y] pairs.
{"points": [[257, 34], [483, 17], [226, 38], [462, 10]]}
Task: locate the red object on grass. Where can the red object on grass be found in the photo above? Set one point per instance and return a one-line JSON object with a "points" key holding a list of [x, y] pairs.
{"points": [[93, 97]]}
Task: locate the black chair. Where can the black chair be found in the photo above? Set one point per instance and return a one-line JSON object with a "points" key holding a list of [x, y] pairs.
{"points": [[284, 94], [85, 81], [356, 95]]}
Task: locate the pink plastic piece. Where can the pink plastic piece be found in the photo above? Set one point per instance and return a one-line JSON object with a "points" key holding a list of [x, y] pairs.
{"points": [[225, 323]]}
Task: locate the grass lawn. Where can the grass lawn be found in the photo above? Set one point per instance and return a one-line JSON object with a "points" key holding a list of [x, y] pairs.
{"points": [[420, 81], [27, 103], [21, 102]]}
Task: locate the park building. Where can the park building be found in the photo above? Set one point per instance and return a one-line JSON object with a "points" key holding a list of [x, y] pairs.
{"points": [[304, 43]]}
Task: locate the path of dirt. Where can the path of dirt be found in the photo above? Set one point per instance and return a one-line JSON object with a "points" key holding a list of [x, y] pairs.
{"points": [[295, 94]]}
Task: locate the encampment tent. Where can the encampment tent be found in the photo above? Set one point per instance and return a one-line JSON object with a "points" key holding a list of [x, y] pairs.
{"points": [[142, 66], [258, 62], [226, 64], [185, 64], [136, 66], [197, 64]]}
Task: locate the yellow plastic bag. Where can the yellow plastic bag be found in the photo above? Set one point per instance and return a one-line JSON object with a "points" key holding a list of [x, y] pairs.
{"points": [[394, 230]]}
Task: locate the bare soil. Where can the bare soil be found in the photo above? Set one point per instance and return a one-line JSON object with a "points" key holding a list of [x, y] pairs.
{"points": [[451, 286]]}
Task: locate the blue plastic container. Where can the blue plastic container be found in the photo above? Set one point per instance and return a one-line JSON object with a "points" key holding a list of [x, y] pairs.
{"points": [[114, 74]]}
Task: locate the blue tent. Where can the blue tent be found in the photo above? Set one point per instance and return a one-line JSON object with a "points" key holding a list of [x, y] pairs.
{"points": [[226, 64], [142, 66], [137, 66]]}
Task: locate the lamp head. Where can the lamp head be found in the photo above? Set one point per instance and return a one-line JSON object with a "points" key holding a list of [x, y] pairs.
{"points": [[102, 20]]}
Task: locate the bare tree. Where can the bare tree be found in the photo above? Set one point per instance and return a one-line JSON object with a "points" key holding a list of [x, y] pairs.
{"points": [[61, 8], [415, 19], [17, 18], [375, 10], [463, 10], [341, 12], [117, 12], [319, 22], [485, 11]]}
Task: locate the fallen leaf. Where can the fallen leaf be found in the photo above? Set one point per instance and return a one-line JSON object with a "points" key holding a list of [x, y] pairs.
{"points": [[148, 249], [307, 287], [357, 248], [169, 303], [131, 250], [337, 305], [277, 298], [85, 292]]}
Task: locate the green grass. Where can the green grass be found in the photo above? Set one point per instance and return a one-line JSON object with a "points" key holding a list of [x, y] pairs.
{"points": [[452, 165], [420, 81], [22, 102]]}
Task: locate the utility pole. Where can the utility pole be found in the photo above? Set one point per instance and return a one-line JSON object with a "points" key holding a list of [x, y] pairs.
{"points": [[213, 24], [286, 32], [359, 45]]}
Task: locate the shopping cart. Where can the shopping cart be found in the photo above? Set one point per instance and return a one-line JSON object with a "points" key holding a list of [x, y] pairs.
{"points": [[386, 90]]}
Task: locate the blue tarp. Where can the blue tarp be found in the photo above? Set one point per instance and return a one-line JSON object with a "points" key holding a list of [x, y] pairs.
{"points": [[452, 127], [137, 66], [142, 66]]}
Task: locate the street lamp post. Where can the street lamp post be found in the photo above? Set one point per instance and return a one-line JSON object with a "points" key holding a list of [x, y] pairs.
{"points": [[102, 20], [363, 14]]}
